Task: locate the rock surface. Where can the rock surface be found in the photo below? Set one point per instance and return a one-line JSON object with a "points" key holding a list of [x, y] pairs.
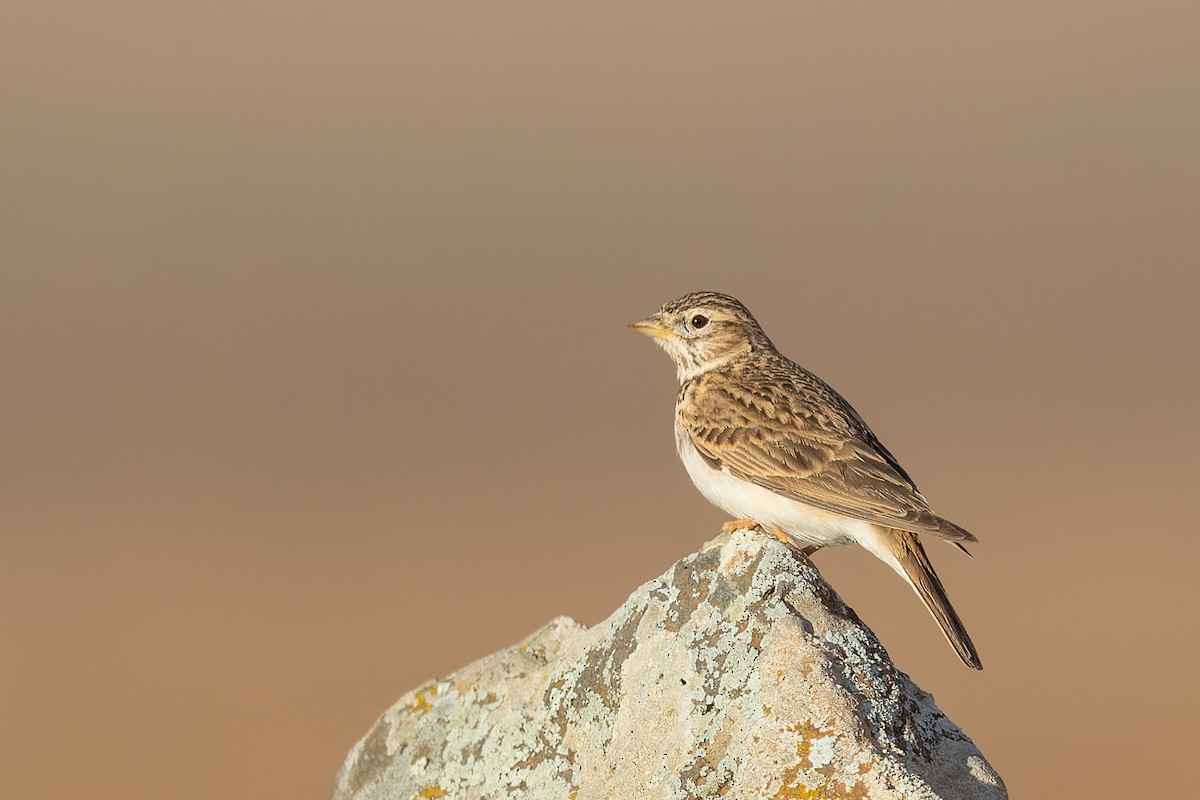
{"points": [[738, 674]]}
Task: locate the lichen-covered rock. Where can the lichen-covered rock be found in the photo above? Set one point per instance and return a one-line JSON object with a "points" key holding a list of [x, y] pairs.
{"points": [[737, 674]]}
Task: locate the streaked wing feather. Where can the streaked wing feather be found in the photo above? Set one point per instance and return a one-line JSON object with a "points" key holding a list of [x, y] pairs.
{"points": [[795, 436]]}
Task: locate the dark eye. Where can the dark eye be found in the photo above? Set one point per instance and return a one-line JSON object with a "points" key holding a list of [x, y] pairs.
{"points": [[699, 321]]}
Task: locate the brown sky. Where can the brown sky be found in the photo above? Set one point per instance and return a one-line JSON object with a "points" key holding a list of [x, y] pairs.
{"points": [[316, 382]]}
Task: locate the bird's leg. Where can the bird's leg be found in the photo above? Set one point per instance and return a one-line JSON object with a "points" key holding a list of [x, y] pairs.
{"points": [[740, 525], [812, 548]]}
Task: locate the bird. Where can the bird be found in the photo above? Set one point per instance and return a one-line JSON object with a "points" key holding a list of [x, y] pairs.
{"points": [[773, 445]]}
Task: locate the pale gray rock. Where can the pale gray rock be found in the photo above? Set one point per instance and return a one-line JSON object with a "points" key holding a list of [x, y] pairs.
{"points": [[737, 674]]}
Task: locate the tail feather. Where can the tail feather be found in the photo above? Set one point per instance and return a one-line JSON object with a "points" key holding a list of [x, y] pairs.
{"points": [[910, 557], [954, 533]]}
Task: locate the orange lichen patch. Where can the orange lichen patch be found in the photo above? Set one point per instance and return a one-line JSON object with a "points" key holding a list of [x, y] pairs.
{"points": [[420, 705], [431, 791], [807, 732], [766, 711], [865, 767], [827, 789]]}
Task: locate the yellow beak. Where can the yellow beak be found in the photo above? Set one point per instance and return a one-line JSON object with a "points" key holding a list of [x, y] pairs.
{"points": [[652, 327]]}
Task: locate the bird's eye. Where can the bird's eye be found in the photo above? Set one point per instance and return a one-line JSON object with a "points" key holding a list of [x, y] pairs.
{"points": [[699, 321]]}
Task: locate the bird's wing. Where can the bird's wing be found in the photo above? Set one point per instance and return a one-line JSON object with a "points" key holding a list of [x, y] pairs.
{"points": [[792, 434]]}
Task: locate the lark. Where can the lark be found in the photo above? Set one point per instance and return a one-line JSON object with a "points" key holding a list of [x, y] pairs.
{"points": [[777, 448]]}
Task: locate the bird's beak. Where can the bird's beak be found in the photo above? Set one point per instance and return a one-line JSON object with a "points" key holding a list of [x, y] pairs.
{"points": [[652, 327]]}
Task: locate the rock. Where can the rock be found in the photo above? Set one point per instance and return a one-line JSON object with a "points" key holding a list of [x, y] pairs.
{"points": [[738, 674]]}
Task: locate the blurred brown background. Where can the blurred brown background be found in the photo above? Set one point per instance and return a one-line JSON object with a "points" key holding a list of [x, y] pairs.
{"points": [[316, 382]]}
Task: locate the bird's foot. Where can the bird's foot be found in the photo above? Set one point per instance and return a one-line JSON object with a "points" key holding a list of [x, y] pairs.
{"points": [[752, 525], [740, 525], [783, 537], [807, 550]]}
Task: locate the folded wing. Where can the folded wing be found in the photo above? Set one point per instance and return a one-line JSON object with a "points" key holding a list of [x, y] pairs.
{"points": [[779, 433]]}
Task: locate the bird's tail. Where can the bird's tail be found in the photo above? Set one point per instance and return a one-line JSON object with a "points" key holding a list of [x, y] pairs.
{"points": [[909, 559]]}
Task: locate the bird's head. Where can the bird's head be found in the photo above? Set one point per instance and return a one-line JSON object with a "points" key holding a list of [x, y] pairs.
{"points": [[704, 330]]}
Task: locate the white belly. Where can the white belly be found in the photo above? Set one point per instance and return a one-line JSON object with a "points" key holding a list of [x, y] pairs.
{"points": [[744, 500]]}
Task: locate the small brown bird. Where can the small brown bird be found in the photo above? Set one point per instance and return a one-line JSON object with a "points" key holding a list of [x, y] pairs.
{"points": [[772, 444]]}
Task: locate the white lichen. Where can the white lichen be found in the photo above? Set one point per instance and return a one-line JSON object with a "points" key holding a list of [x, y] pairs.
{"points": [[737, 673]]}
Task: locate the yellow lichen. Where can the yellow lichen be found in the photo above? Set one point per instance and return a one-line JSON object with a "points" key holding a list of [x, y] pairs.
{"points": [[420, 705], [807, 732], [431, 791], [827, 789]]}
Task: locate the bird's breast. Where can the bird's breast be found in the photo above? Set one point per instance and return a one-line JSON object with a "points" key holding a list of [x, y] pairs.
{"points": [[745, 500]]}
